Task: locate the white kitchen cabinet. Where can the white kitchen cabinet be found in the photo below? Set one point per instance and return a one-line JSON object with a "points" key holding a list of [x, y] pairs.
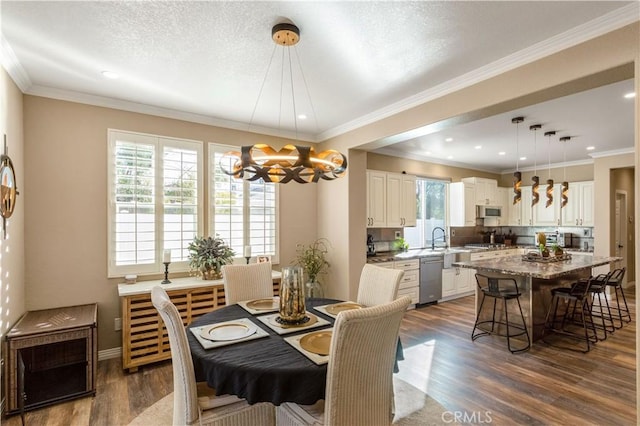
{"points": [[486, 191], [579, 210], [547, 216], [376, 199], [520, 214], [391, 199], [457, 282], [462, 207]]}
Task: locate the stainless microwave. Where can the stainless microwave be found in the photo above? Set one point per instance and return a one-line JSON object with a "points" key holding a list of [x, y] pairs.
{"points": [[483, 212]]}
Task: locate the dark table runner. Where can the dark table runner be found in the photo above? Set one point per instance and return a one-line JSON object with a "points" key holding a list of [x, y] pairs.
{"points": [[261, 370]]}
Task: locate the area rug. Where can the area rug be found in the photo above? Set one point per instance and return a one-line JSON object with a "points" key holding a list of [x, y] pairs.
{"points": [[413, 408]]}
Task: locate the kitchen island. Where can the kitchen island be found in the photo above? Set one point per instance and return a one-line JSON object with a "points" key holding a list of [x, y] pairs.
{"points": [[535, 281]]}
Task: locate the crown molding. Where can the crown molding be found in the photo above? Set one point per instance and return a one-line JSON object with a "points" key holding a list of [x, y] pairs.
{"points": [[106, 102], [604, 24], [13, 67], [613, 152]]}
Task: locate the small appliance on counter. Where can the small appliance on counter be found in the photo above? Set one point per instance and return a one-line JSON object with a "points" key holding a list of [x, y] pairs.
{"points": [[371, 247], [565, 239]]}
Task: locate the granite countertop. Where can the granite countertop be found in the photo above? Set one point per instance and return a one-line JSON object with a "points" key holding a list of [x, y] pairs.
{"points": [[514, 265]]}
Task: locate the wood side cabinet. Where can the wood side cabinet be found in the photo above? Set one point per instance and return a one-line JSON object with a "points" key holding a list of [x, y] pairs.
{"points": [[51, 357], [144, 336]]}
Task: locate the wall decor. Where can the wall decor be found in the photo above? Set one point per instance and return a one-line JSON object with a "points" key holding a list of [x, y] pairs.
{"points": [[8, 187]]}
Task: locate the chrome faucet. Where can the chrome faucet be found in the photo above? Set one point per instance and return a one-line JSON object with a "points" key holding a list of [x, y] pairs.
{"points": [[433, 240]]}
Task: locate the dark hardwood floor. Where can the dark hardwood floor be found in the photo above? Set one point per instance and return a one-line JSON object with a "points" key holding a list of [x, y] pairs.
{"points": [[479, 382]]}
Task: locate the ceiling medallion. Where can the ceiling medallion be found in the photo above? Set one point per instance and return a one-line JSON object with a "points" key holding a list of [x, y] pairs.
{"points": [[292, 162]]}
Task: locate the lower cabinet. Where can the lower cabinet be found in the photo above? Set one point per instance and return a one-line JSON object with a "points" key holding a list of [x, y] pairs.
{"points": [[457, 282], [410, 284]]}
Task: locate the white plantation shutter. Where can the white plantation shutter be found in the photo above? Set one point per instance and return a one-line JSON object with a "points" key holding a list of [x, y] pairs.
{"points": [[154, 195], [241, 212]]}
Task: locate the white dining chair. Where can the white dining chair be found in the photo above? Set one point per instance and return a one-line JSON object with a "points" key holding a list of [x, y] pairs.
{"points": [[378, 285], [247, 282], [196, 403], [359, 372]]}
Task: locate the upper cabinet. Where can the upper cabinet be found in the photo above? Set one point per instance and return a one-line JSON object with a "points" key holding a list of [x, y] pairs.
{"points": [[462, 204], [376, 199], [486, 191], [391, 199], [547, 216], [521, 214], [580, 206]]}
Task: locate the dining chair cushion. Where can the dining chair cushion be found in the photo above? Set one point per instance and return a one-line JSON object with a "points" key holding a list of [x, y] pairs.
{"points": [[378, 285], [187, 409], [359, 372], [247, 282]]}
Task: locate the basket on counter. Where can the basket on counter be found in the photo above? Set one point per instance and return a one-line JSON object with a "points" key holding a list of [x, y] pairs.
{"points": [[535, 257]]}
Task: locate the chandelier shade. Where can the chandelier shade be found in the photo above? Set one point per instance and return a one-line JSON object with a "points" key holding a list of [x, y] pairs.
{"points": [[291, 163], [535, 192], [550, 182], [565, 184], [517, 176]]}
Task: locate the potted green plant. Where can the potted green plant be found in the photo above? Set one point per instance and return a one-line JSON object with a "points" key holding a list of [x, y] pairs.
{"points": [[312, 259], [207, 255]]}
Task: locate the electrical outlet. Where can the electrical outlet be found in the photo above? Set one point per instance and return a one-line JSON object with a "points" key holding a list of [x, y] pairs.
{"points": [[453, 232], [117, 324], [398, 234]]}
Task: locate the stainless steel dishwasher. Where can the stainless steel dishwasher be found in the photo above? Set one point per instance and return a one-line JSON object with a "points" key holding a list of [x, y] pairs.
{"points": [[431, 278]]}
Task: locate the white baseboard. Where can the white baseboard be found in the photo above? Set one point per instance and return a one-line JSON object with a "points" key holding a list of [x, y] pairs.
{"points": [[110, 353]]}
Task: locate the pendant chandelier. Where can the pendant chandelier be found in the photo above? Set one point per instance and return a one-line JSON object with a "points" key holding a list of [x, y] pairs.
{"points": [[549, 180], [535, 195], [565, 184], [517, 176], [292, 162]]}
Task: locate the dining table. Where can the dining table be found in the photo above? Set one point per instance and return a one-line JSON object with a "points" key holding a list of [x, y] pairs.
{"points": [[265, 369]]}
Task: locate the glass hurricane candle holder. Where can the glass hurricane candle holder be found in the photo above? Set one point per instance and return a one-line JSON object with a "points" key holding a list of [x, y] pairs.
{"points": [[292, 307]]}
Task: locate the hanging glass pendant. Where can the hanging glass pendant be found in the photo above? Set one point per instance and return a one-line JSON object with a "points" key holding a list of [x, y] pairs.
{"points": [[535, 195], [565, 194], [517, 184], [549, 193]]}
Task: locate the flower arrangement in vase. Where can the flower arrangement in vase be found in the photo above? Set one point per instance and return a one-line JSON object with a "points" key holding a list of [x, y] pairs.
{"points": [[207, 255], [312, 259]]}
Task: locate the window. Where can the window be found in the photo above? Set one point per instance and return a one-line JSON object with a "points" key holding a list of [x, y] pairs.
{"points": [[242, 212], [154, 201], [431, 199]]}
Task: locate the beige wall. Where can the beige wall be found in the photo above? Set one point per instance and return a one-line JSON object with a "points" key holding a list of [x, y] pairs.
{"points": [[12, 254], [583, 172], [66, 218], [623, 180], [388, 163]]}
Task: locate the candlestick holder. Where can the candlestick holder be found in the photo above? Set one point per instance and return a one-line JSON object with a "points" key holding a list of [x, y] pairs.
{"points": [[166, 273], [248, 258]]}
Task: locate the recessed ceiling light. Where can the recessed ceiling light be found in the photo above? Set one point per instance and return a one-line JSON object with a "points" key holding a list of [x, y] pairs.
{"points": [[523, 158], [428, 153], [110, 75], [591, 148], [302, 116], [448, 140], [630, 95], [502, 153], [478, 147], [450, 157]]}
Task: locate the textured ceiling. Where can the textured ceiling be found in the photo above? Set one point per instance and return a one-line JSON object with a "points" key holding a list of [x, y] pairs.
{"points": [[207, 61]]}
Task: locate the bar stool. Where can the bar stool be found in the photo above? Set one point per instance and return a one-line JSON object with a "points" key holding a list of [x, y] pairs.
{"points": [[577, 310], [505, 289], [601, 310], [615, 281]]}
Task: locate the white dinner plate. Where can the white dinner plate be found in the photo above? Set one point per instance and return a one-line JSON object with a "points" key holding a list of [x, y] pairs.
{"points": [[227, 331]]}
